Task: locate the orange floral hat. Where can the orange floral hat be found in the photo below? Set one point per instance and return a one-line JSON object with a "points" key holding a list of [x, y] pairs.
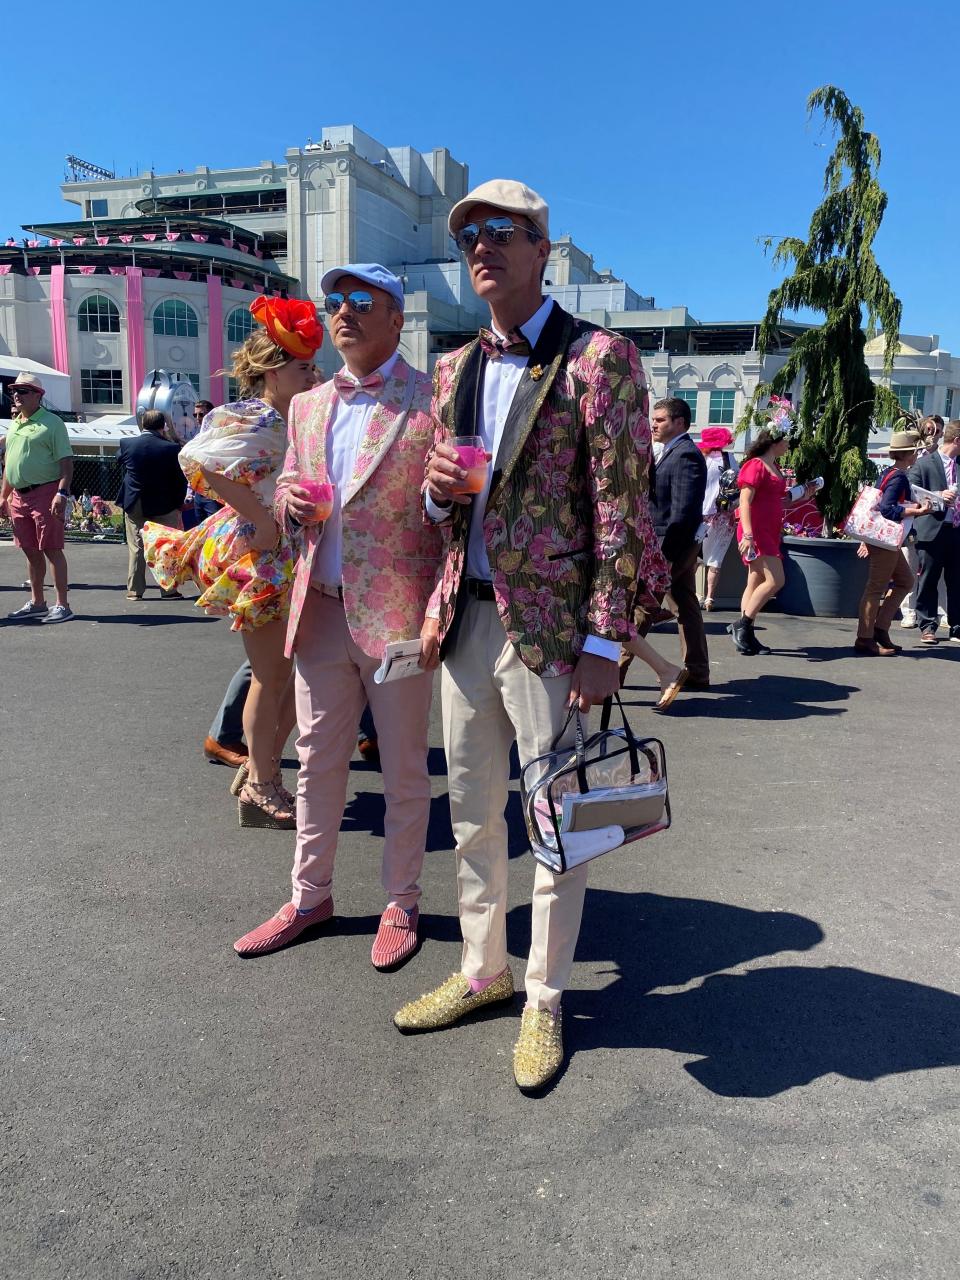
{"points": [[291, 323]]}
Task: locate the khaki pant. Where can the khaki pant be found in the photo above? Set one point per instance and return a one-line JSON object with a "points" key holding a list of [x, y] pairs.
{"points": [[888, 581], [490, 699], [133, 522]]}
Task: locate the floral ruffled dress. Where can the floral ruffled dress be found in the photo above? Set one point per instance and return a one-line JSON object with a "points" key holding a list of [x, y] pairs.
{"points": [[246, 442]]}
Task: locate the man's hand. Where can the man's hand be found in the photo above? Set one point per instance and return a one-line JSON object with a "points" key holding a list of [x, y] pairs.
{"points": [[4, 509], [430, 644], [594, 680], [266, 534], [949, 496], [445, 476], [58, 507], [301, 506]]}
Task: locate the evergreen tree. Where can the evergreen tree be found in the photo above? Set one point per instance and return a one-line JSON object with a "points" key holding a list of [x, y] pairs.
{"points": [[836, 274]]}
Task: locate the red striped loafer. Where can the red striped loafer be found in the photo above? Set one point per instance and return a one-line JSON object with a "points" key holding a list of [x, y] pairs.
{"points": [[281, 929], [396, 939]]}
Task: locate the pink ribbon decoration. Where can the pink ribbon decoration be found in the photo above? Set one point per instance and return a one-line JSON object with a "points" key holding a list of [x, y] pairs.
{"points": [[172, 235], [4, 268], [86, 271], [125, 239], [102, 239], [79, 240], [151, 271], [149, 235], [200, 239], [33, 271], [56, 243], [183, 275], [118, 271]]}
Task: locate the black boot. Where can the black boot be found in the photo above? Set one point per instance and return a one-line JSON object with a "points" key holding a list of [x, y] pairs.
{"points": [[743, 637], [757, 646]]}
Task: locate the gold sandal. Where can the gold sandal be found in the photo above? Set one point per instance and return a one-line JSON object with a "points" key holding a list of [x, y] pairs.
{"points": [[259, 804]]}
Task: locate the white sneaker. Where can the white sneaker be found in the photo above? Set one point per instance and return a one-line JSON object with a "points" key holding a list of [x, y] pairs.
{"points": [[908, 620], [59, 613], [28, 610]]}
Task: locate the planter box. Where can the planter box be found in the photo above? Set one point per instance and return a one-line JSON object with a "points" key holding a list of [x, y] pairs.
{"points": [[824, 577]]}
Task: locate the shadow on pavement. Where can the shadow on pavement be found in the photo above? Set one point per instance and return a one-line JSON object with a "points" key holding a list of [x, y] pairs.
{"points": [[754, 1034], [763, 697], [148, 619]]}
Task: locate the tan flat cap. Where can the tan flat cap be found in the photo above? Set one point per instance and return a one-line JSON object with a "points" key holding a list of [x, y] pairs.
{"points": [[505, 194]]}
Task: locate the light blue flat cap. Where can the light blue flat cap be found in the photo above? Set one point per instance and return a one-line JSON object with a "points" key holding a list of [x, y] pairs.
{"points": [[370, 273]]}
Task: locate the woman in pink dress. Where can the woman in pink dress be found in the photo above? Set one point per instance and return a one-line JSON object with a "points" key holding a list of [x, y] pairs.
{"points": [[763, 492]]}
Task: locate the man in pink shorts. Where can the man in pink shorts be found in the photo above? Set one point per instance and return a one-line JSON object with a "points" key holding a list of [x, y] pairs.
{"points": [[36, 495]]}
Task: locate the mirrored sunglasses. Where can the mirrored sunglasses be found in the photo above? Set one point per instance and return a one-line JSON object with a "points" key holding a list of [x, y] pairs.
{"points": [[497, 231], [359, 300]]}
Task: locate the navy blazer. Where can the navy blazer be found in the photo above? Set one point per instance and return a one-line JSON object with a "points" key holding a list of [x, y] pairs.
{"points": [[151, 475], [676, 497], [929, 473]]}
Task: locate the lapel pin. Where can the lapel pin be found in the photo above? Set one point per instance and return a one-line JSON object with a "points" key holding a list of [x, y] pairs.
{"points": [[536, 373]]}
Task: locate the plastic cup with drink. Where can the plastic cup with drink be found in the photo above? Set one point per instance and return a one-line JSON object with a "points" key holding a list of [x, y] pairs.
{"points": [[472, 456], [320, 493]]}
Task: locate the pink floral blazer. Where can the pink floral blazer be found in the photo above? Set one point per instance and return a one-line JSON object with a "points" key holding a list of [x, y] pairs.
{"points": [[567, 527], [391, 559]]}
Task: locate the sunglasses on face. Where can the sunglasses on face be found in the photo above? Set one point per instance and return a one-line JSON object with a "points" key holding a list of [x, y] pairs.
{"points": [[360, 301], [17, 391], [497, 231]]}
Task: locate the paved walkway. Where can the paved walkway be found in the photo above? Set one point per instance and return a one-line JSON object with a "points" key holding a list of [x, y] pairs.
{"points": [[763, 1024]]}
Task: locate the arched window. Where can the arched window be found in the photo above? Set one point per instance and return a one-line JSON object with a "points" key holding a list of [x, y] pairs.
{"points": [[239, 324], [98, 314], [174, 319]]}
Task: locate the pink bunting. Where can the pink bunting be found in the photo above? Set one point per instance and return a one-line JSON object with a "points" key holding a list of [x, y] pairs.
{"points": [[34, 271], [236, 282], [33, 244], [102, 239], [228, 241], [172, 235], [151, 271], [258, 252], [10, 243], [86, 271], [200, 239], [4, 268], [125, 239], [183, 275], [118, 271], [56, 243], [149, 235], [79, 240]]}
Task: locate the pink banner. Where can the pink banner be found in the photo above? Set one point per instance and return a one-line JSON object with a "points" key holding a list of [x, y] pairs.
{"points": [[118, 271], [9, 244], [149, 235], [151, 271], [215, 337], [5, 269], [136, 355], [33, 271], [122, 239], [86, 271], [58, 319], [79, 239], [173, 235], [102, 239], [56, 243], [33, 244], [236, 282], [183, 275], [199, 239]]}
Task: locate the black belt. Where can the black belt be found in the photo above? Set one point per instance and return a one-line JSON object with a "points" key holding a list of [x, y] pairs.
{"points": [[29, 488], [480, 588]]}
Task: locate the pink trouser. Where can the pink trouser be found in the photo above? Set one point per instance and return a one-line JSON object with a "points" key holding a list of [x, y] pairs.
{"points": [[333, 680]]}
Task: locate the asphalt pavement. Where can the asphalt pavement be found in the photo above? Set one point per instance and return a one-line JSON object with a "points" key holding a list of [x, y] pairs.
{"points": [[763, 1024]]}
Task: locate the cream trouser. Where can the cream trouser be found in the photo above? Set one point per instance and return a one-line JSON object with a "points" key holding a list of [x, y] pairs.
{"points": [[490, 698]]}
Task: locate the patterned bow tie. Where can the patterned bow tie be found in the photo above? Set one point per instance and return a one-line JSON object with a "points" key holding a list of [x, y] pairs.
{"points": [[951, 469], [348, 386], [494, 348]]}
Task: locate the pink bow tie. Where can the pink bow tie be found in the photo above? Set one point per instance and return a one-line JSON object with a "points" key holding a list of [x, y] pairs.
{"points": [[348, 386], [494, 348]]}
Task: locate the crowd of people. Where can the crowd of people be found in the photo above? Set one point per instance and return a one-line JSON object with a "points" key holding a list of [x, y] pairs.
{"points": [[508, 519]]}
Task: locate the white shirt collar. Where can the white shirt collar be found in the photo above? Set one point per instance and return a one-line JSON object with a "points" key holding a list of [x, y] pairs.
{"points": [[532, 328], [386, 369], [670, 443]]}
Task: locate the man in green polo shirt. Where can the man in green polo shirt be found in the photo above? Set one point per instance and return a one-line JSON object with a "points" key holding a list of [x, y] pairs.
{"points": [[35, 494]]}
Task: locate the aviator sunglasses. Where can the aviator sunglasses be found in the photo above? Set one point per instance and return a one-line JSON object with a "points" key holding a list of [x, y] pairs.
{"points": [[360, 301], [497, 231]]}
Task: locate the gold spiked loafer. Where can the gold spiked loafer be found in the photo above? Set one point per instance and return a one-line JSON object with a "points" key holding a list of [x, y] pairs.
{"points": [[450, 1002], [538, 1053]]}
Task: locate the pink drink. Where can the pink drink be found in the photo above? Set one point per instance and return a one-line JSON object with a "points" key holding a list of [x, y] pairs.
{"points": [[320, 493], [474, 462]]}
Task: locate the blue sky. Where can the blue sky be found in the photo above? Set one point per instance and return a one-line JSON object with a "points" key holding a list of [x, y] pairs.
{"points": [[667, 139]]}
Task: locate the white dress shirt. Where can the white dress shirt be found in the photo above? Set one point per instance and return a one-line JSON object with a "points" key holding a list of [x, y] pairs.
{"points": [[345, 431], [500, 381]]}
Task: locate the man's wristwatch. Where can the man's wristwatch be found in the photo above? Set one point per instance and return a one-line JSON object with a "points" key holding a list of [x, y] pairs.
{"points": [[64, 493]]}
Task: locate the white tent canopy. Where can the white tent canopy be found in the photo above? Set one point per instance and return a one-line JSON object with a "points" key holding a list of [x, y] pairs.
{"points": [[106, 431], [56, 385]]}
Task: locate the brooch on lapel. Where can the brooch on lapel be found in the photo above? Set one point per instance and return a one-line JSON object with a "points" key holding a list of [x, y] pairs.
{"points": [[536, 373]]}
